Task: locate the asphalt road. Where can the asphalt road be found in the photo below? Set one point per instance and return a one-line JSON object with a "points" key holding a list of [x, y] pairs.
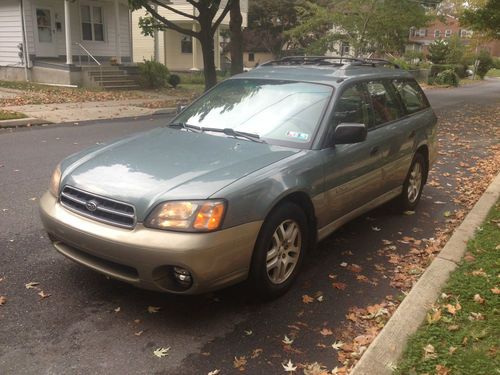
{"points": [[91, 325]]}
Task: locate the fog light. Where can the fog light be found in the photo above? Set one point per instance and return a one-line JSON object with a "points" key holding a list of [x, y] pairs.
{"points": [[183, 276]]}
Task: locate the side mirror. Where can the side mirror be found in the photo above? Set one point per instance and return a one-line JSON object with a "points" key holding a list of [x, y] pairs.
{"points": [[347, 133], [180, 108]]}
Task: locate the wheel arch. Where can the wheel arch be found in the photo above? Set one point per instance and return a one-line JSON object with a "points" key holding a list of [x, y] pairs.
{"points": [[424, 151]]}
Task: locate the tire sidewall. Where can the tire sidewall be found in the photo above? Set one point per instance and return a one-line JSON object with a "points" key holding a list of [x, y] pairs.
{"points": [[260, 282], [405, 202]]}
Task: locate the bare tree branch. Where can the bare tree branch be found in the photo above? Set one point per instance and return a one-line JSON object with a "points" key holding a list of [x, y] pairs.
{"points": [[170, 24], [183, 14], [222, 16]]}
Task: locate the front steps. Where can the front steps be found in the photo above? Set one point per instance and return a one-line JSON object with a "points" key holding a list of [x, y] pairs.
{"points": [[113, 77]]}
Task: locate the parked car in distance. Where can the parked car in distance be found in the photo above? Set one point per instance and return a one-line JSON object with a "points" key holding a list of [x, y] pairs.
{"points": [[245, 181]]}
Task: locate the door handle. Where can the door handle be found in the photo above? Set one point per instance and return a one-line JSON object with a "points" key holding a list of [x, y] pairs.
{"points": [[374, 151], [412, 134]]}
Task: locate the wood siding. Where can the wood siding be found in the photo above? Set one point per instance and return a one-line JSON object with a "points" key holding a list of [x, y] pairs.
{"points": [[11, 33]]}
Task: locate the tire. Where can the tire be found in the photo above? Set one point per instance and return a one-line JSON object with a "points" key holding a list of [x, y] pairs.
{"points": [[276, 261], [413, 185]]}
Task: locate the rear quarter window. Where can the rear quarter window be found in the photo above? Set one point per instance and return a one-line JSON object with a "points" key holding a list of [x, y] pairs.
{"points": [[411, 95]]}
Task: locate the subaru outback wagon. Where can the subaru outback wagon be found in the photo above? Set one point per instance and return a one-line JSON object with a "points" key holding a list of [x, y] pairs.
{"points": [[247, 179]]}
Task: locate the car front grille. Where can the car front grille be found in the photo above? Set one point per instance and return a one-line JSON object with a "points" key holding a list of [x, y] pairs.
{"points": [[98, 208]]}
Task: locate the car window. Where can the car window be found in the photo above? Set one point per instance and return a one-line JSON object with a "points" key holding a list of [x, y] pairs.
{"points": [[385, 106], [351, 107], [412, 96], [281, 112]]}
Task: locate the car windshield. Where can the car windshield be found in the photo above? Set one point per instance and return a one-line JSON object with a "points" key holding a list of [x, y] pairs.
{"points": [[281, 112]]}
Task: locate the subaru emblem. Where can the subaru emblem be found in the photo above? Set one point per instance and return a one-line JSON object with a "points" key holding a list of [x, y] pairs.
{"points": [[91, 205]]}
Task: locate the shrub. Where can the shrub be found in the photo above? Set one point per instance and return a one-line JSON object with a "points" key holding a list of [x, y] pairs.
{"points": [[496, 62], [154, 75], [174, 80], [438, 51], [447, 77], [485, 63]]}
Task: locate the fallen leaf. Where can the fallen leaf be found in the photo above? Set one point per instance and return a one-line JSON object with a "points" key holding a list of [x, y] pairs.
{"points": [[3, 300], [256, 353], [452, 350], [340, 286], [31, 285], [337, 345], [307, 299], [138, 333], [118, 309], [343, 264], [429, 352], [289, 367], [495, 290], [153, 309], [442, 370], [287, 341], [354, 268], [326, 332], [248, 332], [239, 362], [43, 295], [161, 352], [478, 299], [434, 317], [214, 372], [376, 229]]}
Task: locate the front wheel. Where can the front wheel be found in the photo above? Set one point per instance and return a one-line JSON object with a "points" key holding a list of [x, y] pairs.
{"points": [[413, 185], [279, 251]]}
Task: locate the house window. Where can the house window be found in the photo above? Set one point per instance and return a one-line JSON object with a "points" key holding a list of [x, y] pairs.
{"points": [[251, 56], [186, 44], [345, 48], [437, 33], [465, 33], [92, 23], [422, 32], [447, 33]]}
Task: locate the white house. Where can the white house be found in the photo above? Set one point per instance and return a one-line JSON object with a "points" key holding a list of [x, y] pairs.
{"points": [[177, 51], [64, 41]]}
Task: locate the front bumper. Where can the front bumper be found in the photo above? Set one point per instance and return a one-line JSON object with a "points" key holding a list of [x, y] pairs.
{"points": [[144, 257]]}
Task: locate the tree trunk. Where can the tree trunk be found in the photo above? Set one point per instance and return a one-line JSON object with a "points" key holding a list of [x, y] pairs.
{"points": [[236, 38], [207, 49]]}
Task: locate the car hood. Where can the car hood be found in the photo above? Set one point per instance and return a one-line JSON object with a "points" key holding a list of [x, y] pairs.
{"points": [[168, 164]]}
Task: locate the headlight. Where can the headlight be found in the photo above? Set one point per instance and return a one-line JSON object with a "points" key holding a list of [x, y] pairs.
{"points": [[55, 180], [188, 216]]}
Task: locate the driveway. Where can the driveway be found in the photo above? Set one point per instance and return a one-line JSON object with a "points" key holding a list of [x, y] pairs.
{"points": [[87, 324]]}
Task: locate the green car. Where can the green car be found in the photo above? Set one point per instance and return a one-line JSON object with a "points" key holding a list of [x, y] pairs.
{"points": [[245, 181]]}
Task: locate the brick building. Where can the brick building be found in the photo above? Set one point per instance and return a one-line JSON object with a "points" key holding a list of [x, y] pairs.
{"points": [[420, 39]]}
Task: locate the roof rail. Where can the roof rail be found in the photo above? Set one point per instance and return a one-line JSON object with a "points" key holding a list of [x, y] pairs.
{"points": [[312, 60], [328, 60]]}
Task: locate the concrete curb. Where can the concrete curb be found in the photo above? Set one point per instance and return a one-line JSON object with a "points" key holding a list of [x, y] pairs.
{"points": [[165, 111], [28, 121], [386, 349]]}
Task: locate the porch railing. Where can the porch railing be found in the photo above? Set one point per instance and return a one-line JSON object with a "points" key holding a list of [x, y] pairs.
{"points": [[89, 56]]}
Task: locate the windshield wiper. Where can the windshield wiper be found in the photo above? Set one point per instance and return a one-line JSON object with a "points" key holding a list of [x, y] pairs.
{"points": [[227, 131], [235, 133], [188, 127]]}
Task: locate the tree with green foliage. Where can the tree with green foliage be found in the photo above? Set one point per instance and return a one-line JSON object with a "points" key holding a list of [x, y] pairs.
{"points": [[484, 63], [438, 51], [269, 20], [367, 25], [485, 19], [207, 15]]}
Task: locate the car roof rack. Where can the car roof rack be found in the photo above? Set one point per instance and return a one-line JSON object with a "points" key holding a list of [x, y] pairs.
{"points": [[328, 61]]}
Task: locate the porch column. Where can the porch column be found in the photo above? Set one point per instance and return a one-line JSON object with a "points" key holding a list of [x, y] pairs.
{"points": [[156, 38], [217, 49], [117, 32], [67, 32], [165, 46], [195, 50]]}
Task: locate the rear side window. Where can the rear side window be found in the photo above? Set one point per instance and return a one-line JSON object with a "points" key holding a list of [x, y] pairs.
{"points": [[385, 106], [411, 95]]}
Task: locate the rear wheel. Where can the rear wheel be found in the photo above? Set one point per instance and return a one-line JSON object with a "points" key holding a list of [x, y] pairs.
{"points": [[279, 251], [414, 183]]}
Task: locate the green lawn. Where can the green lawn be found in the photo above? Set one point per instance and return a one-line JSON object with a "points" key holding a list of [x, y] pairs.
{"points": [[462, 331], [493, 73], [8, 115]]}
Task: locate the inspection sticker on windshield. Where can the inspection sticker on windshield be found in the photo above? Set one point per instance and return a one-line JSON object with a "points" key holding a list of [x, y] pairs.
{"points": [[298, 135]]}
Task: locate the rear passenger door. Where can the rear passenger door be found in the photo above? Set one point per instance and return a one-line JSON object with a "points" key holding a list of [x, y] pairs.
{"points": [[390, 127]]}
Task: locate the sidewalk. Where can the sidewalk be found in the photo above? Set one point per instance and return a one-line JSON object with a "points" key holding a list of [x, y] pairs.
{"points": [[74, 112]]}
